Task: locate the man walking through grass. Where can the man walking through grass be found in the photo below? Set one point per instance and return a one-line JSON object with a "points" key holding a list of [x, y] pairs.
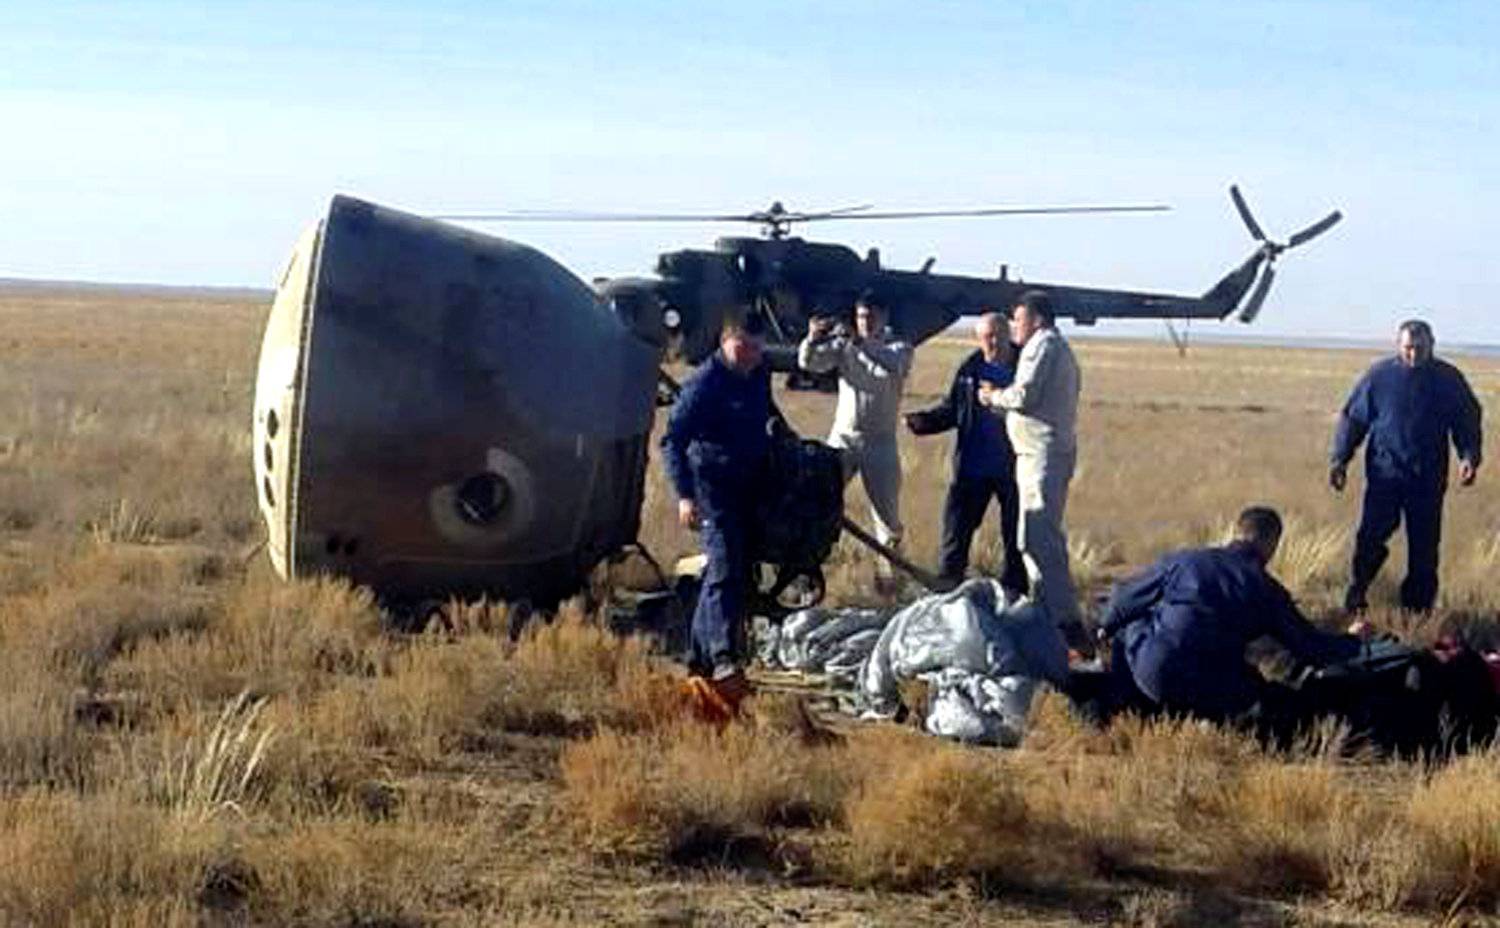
{"points": [[1041, 415], [715, 449], [1408, 408], [984, 464]]}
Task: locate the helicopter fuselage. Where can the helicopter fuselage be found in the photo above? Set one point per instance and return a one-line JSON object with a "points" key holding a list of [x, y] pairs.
{"points": [[791, 280]]}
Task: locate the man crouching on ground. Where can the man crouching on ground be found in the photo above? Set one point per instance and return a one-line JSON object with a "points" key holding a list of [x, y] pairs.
{"points": [[1180, 630], [715, 449]]}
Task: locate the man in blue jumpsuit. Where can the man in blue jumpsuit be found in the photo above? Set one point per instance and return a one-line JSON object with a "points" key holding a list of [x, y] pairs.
{"points": [[715, 449], [1180, 630], [984, 465], [1410, 407]]}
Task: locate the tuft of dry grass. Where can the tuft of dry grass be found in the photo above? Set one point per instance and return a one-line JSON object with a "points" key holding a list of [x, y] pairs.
{"points": [[351, 872], [681, 789], [99, 859], [1276, 825], [41, 742], [615, 801], [213, 772], [124, 524], [949, 813], [1455, 817], [564, 676]]}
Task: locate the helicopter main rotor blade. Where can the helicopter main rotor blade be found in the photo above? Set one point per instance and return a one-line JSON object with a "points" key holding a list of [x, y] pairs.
{"points": [[1258, 297], [1244, 209], [834, 213], [995, 211], [566, 216], [1315, 230], [764, 216]]}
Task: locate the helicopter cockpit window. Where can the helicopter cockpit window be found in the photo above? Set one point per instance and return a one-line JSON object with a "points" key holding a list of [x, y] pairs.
{"points": [[482, 498]]}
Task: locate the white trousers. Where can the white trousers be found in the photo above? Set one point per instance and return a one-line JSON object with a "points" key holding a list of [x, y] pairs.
{"points": [[1042, 481], [877, 460]]}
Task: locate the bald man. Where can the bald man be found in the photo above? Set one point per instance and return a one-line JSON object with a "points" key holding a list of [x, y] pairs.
{"points": [[984, 466]]}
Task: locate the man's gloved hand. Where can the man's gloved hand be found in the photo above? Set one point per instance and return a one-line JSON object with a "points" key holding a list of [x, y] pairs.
{"points": [[918, 423], [1338, 476]]}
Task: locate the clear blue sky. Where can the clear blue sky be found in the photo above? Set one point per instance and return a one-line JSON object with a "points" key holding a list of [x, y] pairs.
{"points": [[190, 142]]}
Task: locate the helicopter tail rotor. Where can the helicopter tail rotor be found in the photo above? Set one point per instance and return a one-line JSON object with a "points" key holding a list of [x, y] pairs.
{"points": [[1314, 230], [1245, 214], [1270, 250], [1258, 295]]}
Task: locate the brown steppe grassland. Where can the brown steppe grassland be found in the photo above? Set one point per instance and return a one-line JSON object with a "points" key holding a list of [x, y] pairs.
{"points": [[184, 739]]}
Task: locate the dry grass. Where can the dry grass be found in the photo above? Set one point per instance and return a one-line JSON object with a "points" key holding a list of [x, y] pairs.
{"points": [[1455, 817], [72, 859], [185, 740], [213, 771], [947, 813], [688, 792]]}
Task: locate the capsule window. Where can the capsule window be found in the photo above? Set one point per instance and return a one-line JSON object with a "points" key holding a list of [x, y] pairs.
{"points": [[482, 499]]}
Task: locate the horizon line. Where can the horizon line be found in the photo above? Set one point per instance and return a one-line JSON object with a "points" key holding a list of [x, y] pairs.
{"points": [[1261, 339]]}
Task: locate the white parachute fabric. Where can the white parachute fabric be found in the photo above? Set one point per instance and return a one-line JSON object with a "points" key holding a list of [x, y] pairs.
{"points": [[979, 650], [835, 642], [978, 709]]}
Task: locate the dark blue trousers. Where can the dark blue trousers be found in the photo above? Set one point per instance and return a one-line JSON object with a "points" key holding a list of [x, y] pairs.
{"points": [[963, 511], [1387, 503], [721, 600], [1276, 714]]}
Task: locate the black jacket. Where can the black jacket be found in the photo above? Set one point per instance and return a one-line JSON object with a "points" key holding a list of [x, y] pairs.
{"points": [[959, 410]]}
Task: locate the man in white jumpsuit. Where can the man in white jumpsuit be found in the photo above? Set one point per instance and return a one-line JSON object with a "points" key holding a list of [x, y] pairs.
{"points": [[1041, 414], [872, 366]]}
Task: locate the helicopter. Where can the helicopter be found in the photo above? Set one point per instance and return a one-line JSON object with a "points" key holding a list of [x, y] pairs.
{"points": [[789, 280], [440, 412]]}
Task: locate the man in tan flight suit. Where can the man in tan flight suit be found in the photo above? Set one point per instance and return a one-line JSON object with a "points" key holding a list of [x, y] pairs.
{"points": [[1041, 415], [872, 365]]}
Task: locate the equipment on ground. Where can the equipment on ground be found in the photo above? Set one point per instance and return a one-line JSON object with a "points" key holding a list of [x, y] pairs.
{"points": [[442, 413], [1409, 702]]}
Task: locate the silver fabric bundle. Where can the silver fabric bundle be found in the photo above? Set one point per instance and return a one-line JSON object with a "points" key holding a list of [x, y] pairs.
{"points": [[830, 641], [980, 652]]}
